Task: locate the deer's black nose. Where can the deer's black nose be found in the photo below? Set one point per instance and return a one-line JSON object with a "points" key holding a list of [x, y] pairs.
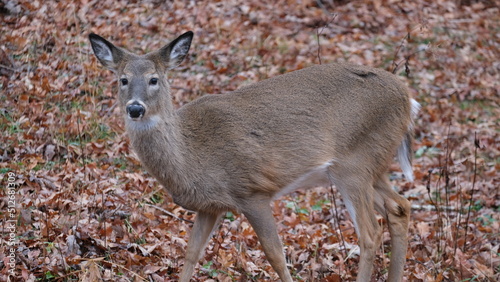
{"points": [[135, 110]]}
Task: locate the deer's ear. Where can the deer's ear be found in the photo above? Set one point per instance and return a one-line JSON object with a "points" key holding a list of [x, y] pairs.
{"points": [[175, 52], [108, 54]]}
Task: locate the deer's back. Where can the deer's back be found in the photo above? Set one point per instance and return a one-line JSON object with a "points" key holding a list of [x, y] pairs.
{"points": [[269, 132]]}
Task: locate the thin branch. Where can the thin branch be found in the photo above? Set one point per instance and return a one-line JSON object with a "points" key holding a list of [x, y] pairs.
{"points": [[9, 68], [80, 140], [476, 146], [407, 36], [109, 111], [169, 213], [318, 33], [406, 58], [319, 45], [434, 208], [337, 217], [103, 261]]}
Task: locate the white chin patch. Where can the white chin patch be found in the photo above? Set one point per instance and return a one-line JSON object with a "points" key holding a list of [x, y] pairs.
{"points": [[141, 123]]}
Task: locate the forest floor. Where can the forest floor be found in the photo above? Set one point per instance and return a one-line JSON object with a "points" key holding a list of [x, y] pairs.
{"points": [[76, 205]]}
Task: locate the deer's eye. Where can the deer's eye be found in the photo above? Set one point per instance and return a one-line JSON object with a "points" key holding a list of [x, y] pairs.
{"points": [[124, 81], [153, 81]]}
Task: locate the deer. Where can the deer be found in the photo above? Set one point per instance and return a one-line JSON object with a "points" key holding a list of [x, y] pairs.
{"points": [[337, 123]]}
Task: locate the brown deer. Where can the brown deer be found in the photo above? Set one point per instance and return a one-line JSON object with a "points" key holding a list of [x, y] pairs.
{"points": [[337, 123]]}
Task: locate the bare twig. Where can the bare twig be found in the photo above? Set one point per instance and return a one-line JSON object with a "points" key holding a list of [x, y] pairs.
{"points": [[322, 6], [406, 61], [434, 208], [407, 36], [476, 146], [63, 261], [10, 61], [80, 140], [446, 171], [407, 58], [169, 213], [94, 261], [337, 218], [459, 219], [428, 187], [318, 33], [9, 68], [110, 110], [319, 45]]}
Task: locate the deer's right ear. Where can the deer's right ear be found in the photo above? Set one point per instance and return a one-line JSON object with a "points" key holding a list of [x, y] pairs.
{"points": [[107, 53]]}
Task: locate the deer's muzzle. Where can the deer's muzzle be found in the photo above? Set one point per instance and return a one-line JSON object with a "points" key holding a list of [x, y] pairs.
{"points": [[135, 110]]}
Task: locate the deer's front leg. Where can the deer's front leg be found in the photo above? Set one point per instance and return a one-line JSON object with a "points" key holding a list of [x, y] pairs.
{"points": [[260, 216], [203, 226]]}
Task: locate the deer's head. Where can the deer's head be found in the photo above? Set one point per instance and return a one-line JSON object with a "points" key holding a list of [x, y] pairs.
{"points": [[144, 91]]}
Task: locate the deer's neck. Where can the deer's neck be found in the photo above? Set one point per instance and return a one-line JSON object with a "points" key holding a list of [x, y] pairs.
{"points": [[159, 145]]}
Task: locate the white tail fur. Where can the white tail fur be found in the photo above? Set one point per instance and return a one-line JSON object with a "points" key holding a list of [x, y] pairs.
{"points": [[405, 152]]}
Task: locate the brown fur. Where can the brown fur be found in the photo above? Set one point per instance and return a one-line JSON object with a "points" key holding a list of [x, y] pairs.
{"points": [[237, 151]]}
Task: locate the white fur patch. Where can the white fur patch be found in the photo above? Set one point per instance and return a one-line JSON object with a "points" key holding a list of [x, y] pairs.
{"points": [[404, 161], [102, 51], [145, 123], [180, 49], [352, 212], [316, 177], [415, 108], [403, 149]]}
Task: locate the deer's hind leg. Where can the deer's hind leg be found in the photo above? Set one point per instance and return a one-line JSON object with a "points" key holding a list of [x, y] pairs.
{"points": [[355, 186], [396, 210]]}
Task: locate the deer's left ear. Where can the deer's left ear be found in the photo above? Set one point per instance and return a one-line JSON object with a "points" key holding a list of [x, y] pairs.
{"points": [[175, 52], [108, 54]]}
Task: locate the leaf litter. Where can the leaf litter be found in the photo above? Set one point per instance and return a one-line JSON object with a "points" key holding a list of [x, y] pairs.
{"points": [[84, 204]]}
